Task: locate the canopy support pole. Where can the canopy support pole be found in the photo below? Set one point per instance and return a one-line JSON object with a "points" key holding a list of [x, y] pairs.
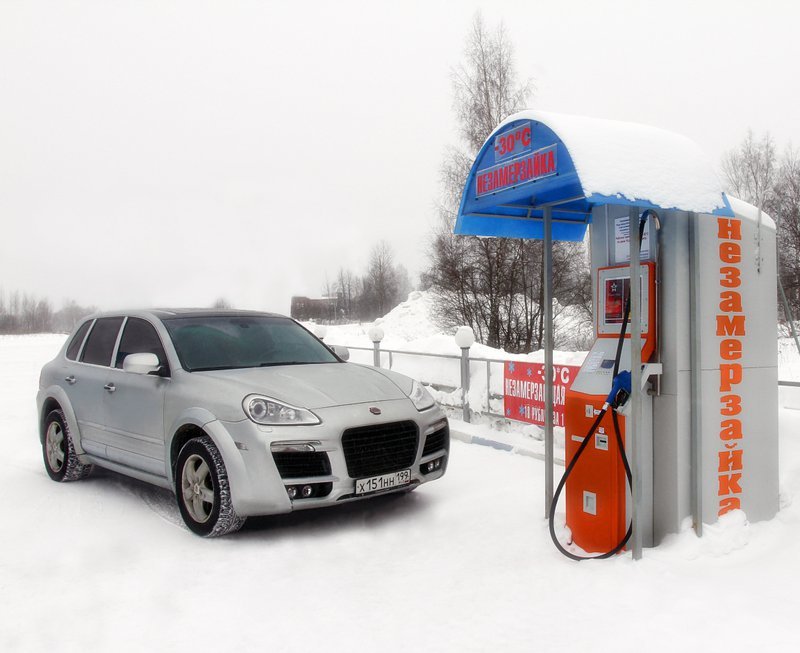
{"points": [[696, 424], [633, 430], [547, 262]]}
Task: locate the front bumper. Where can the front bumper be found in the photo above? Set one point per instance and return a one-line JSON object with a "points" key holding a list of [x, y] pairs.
{"points": [[258, 488]]}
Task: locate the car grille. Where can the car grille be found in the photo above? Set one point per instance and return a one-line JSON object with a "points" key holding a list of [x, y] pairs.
{"points": [[437, 441], [302, 464], [380, 449]]}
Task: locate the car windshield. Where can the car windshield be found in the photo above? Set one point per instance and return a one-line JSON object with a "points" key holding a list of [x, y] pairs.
{"points": [[228, 342]]}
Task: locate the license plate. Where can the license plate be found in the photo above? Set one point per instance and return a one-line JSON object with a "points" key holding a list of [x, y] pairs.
{"points": [[385, 482]]}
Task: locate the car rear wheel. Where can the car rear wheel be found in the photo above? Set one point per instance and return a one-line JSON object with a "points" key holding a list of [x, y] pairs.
{"points": [[60, 459], [203, 490]]}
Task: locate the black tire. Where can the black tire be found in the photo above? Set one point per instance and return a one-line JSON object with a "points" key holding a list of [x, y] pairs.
{"points": [[60, 459], [204, 493]]}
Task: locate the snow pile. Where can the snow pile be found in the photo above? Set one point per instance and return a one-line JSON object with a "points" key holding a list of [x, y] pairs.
{"points": [[635, 162], [410, 327], [410, 320], [731, 533]]}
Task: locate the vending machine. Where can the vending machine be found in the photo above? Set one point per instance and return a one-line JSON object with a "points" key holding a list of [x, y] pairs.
{"points": [[597, 487]]}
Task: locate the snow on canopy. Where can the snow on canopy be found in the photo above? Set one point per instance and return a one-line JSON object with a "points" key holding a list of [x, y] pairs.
{"points": [[635, 162], [747, 211]]}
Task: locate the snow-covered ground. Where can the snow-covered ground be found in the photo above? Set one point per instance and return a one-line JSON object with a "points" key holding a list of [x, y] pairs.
{"points": [[463, 564]]}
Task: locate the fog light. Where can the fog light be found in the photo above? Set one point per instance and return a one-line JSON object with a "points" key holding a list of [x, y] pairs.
{"points": [[307, 491], [291, 491], [431, 466]]}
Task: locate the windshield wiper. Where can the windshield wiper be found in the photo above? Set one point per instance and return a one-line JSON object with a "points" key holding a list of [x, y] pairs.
{"points": [[245, 367], [215, 368]]}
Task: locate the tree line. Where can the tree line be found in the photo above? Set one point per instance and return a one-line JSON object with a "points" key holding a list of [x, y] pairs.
{"points": [[351, 297], [21, 313]]}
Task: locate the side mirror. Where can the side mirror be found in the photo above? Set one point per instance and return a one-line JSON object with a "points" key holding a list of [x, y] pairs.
{"points": [[141, 363], [342, 352]]}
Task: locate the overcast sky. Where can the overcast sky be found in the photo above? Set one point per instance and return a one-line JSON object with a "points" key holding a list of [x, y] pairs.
{"points": [[169, 153]]}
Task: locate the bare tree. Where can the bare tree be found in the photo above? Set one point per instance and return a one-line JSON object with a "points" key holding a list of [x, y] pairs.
{"points": [[485, 86], [346, 287], [26, 314], [784, 205], [221, 302], [478, 281], [404, 285], [754, 173], [380, 284], [495, 285], [68, 316], [750, 169]]}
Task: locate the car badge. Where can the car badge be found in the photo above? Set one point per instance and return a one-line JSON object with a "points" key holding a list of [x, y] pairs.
{"points": [[374, 410]]}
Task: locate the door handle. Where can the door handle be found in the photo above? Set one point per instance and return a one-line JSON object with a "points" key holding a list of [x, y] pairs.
{"points": [[71, 379], [110, 387]]}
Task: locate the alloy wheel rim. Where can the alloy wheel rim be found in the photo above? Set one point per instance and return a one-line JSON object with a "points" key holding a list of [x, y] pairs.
{"points": [[197, 488], [54, 446]]}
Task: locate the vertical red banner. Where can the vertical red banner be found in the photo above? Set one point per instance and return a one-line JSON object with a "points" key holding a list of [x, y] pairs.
{"points": [[523, 390]]}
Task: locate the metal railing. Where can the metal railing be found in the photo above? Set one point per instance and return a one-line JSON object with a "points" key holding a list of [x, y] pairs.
{"points": [[464, 375], [466, 362]]}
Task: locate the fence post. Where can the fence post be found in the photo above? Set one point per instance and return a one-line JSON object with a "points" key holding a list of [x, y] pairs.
{"points": [[465, 338], [375, 334]]}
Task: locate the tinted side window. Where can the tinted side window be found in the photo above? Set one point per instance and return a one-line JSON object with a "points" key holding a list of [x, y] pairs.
{"points": [[77, 341], [102, 338], [139, 337]]}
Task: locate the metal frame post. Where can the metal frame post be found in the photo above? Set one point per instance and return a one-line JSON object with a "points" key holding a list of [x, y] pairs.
{"points": [[375, 334], [696, 404], [488, 387], [633, 431], [465, 383], [547, 262]]}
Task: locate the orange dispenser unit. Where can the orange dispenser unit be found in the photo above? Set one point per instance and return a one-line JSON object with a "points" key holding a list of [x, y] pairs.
{"points": [[596, 490]]}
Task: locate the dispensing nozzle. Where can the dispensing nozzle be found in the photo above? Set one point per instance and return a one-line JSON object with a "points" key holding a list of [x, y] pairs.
{"points": [[620, 390]]}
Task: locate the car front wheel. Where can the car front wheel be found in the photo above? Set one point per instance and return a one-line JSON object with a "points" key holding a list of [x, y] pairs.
{"points": [[203, 490], [60, 459]]}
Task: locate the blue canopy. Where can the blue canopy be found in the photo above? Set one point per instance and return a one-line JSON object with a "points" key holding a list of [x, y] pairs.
{"points": [[571, 164]]}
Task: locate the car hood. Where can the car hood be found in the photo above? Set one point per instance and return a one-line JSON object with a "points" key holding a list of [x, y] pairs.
{"points": [[314, 386]]}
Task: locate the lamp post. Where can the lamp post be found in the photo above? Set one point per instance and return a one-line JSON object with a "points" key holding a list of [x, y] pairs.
{"points": [[375, 334], [465, 338]]}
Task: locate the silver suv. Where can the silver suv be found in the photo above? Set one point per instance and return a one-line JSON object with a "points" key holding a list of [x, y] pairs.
{"points": [[239, 413]]}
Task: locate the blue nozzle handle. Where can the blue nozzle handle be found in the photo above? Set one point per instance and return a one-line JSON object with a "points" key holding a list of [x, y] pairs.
{"points": [[620, 389]]}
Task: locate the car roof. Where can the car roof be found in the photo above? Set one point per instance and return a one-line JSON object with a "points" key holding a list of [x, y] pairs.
{"points": [[170, 313]]}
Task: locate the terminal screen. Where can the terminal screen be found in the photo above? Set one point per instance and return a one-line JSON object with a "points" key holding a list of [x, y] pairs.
{"points": [[617, 292]]}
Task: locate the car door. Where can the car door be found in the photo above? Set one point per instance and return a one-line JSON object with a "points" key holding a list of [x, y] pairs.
{"points": [[134, 409], [87, 379]]}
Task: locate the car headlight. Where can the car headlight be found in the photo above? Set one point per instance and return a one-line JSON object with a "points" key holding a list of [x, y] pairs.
{"points": [[420, 397], [268, 411]]}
